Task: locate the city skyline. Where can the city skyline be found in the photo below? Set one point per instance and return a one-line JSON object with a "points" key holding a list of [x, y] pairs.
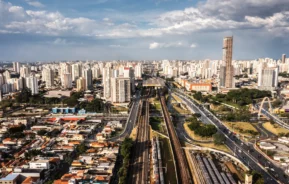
{"points": [[127, 30]]}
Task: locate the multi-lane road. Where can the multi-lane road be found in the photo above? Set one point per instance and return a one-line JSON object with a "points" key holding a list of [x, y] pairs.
{"points": [[131, 120], [242, 150], [271, 116]]}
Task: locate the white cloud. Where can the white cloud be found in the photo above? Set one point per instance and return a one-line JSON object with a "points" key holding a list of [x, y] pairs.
{"points": [[193, 45], [36, 4], [156, 45], [180, 22], [115, 46], [60, 41]]}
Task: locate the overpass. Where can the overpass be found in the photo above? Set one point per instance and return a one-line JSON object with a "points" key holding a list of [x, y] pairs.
{"points": [[271, 116], [154, 82]]}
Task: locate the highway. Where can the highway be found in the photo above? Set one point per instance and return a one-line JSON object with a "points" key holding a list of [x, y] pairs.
{"points": [[246, 153], [182, 167], [139, 167], [131, 120], [271, 116]]}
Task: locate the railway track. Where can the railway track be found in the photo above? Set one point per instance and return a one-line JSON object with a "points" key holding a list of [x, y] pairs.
{"points": [[184, 176], [138, 172]]}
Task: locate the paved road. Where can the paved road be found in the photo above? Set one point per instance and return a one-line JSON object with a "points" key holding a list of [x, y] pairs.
{"points": [[244, 152], [131, 120], [271, 116]]}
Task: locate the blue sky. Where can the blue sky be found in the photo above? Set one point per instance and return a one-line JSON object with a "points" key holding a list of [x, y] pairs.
{"points": [[38, 30]]}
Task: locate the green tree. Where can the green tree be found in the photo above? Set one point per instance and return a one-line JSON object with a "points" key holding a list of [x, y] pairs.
{"points": [[41, 132], [219, 138], [277, 103]]}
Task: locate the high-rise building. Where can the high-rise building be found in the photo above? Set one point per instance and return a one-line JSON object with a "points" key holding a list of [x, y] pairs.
{"points": [[121, 91], [283, 58], [95, 72], [6, 75], [227, 58], [129, 73], [25, 71], [76, 71], [80, 84], [48, 77], [138, 71], [2, 79], [32, 84], [87, 74], [268, 80], [65, 68], [107, 74], [16, 67], [67, 81]]}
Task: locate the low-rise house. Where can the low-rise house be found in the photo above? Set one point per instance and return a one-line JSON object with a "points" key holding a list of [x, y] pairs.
{"points": [[283, 140], [267, 146], [39, 164]]}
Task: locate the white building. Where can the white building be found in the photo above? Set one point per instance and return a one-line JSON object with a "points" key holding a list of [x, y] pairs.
{"points": [[48, 77], [121, 90], [76, 71], [138, 71], [107, 74], [39, 164], [267, 146], [32, 84], [284, 140], [268, 79], [87, 74], [16, 67], [67, 81], [25, 71]]}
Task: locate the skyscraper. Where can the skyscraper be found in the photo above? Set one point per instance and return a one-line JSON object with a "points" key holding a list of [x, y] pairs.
{"points": [[76, 71], [129, 73], [138, 70], [16, 67], [107, 74], [283, 58], [227, 58], [32, 84], [67, 81], [80, 84], [25, 71], [48, 77], [121, 91], [268, 80], [87, 74]]}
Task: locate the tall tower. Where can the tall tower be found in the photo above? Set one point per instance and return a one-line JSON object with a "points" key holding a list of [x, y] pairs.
{"points": [[227, 58], [16, 67], [283, 58], [87, 73], [48, 77]]}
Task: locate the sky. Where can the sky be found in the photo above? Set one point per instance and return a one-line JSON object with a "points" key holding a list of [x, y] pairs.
{"points": [[45, 30]]}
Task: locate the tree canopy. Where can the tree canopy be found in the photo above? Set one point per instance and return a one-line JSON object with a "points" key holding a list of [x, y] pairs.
{"points": [[242, 96]]}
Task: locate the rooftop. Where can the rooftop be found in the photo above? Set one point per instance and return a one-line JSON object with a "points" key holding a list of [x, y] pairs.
{"points": [[10, 177]]}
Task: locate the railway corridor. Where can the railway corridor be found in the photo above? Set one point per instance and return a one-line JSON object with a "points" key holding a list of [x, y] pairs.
{"points": [[184, 176], [139, 166]]}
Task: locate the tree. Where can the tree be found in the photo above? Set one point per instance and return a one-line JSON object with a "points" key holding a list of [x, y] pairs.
{"points": [[80, 149], [277, 103], [41, 132], [126, 146], [197, 115], [194, 125], [219, 138]]}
